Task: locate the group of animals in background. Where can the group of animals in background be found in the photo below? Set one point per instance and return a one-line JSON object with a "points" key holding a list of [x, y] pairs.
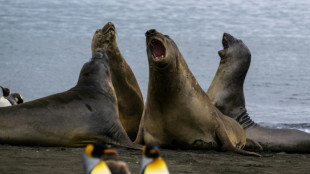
{"points": [[101, 159], [107, 106], [9, 99]]}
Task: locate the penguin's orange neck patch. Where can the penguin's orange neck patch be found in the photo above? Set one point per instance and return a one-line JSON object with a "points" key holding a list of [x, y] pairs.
{"points": [[88, 150]]}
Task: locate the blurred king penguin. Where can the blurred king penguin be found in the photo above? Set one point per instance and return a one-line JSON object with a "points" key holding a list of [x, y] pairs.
{"points": [[9, 99], [152, 163], [99, 159]]}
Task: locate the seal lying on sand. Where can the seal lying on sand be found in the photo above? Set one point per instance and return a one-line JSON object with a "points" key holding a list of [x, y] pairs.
{"points": [[82, 115], [226, 93], [129, 96], [178, 113]]}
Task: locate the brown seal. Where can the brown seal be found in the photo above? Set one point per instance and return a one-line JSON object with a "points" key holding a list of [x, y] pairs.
{"points": [[178, 113], [84, 114], [226, 93], [129, 96]]}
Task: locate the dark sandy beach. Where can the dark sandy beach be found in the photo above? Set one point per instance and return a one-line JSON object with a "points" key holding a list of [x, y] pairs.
{"points": [[23, 159]]}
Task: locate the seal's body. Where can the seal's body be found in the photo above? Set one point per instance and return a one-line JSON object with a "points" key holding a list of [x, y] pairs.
{"points": [[128, 94], [82, 115], [226, 93], [178, 112]]}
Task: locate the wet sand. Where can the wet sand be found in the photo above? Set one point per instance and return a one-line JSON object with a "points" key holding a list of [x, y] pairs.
{"points": [[51, 160]]}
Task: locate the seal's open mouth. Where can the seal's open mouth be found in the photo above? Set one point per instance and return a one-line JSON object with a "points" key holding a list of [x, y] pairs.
{"points": [[158, 49], [225, 43], [108, 30], [109, 27]]}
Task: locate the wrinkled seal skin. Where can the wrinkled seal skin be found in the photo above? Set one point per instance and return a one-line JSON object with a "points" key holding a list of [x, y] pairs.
{"points": [[226, 93], [84, 114], [178, 113], [129, 96]]}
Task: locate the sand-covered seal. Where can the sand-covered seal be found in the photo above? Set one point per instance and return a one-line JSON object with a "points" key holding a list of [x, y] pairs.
{"points": [[226, 93], [178, 113], [84, 114], [129, 96]]}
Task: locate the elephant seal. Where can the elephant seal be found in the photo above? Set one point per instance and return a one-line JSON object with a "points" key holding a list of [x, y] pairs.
{"points": [[178, 113], [84, 114], [128, 94], [226, 93]]}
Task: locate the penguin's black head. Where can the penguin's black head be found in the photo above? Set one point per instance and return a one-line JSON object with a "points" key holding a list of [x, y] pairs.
{"points": [[98, 150], [6, 91], [18, 98], [95, 150], [151, 150]]}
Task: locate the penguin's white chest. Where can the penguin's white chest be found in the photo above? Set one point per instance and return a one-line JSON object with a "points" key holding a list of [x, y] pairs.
{"points": [[4, 102]]}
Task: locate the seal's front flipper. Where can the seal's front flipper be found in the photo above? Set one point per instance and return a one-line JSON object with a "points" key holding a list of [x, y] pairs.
{"points": [[253, 145], [228, 146], [244, 152]]}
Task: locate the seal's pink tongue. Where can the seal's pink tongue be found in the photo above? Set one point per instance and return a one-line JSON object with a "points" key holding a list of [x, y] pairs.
{"points": [[158, 49]]}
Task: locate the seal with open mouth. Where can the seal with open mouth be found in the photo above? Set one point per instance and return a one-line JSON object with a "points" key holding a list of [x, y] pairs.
{"points": [[84, 114], [226, 93], [178, 113], [129, 97]]}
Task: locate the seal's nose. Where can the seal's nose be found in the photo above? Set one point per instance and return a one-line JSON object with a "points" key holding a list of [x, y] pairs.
{"points": [[150, 32]]}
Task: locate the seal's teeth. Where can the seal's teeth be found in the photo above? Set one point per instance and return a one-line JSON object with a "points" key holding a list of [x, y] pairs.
{"points": [[160, 57]]}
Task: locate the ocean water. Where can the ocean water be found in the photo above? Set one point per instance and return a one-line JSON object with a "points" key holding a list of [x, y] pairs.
{"points": [[44, 44]]}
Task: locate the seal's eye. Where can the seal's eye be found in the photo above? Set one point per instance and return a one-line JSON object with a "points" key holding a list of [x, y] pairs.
{"points": [[107, 41]]}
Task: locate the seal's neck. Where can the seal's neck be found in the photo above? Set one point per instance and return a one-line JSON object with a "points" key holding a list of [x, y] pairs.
{"points": [[95, 76], [115, 55], [117, 65], [163, 82], [172, 83], [225, 85], [226, 93]]}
